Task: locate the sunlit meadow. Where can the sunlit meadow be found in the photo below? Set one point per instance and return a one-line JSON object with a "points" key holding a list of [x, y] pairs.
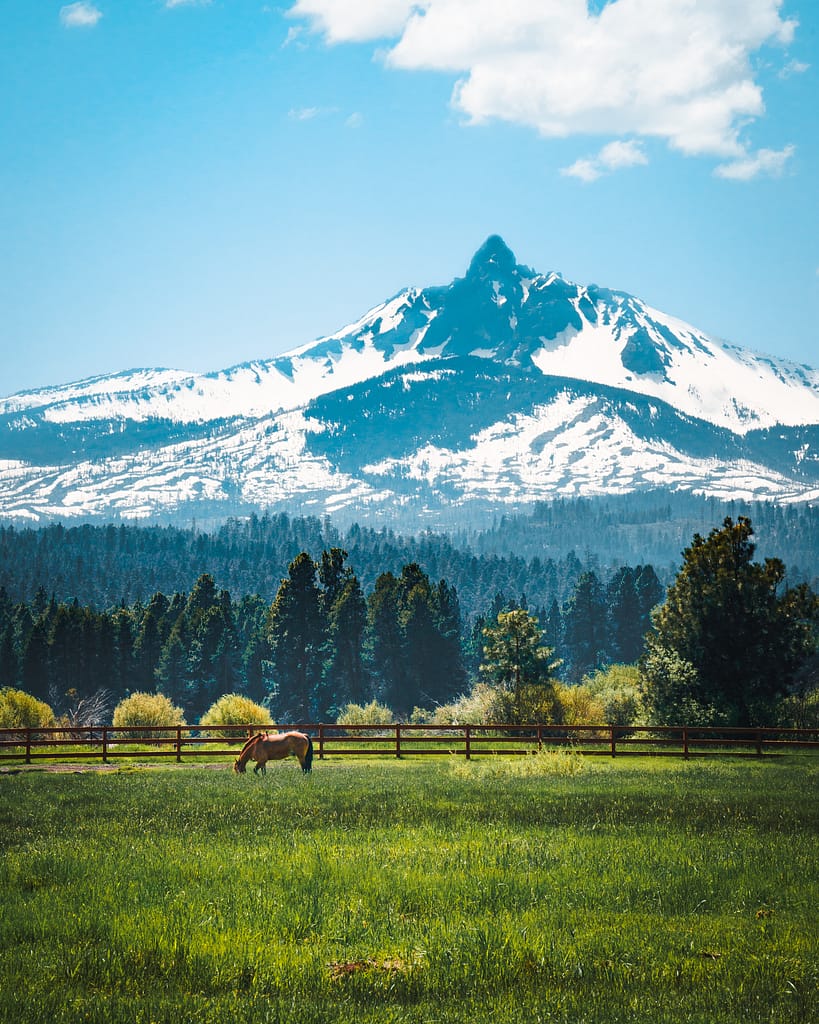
{"points": [[543, 888]]}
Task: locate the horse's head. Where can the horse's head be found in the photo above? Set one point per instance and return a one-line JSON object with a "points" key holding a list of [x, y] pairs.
{"points": [[239, 767]]}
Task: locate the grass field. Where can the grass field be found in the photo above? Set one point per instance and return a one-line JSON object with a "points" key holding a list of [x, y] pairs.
{"points": [[544, 888]]}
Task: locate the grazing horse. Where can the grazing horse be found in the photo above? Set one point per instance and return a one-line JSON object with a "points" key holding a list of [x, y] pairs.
{"points": [[264, 747]]}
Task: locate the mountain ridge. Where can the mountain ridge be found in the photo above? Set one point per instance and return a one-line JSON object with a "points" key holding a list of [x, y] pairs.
{"points": [[520, 386]]}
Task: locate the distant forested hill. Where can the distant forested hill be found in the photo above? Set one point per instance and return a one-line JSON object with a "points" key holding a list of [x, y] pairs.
{"points": [[536, 556]]}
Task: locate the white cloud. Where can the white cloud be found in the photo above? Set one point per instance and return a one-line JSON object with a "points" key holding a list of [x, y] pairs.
{"points": [[347, 21], [303, 113], [678, 70], [768, 163], [612, 157], [80, 15], [189, 3]]}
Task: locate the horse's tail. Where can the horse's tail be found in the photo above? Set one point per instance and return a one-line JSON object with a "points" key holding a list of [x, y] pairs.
{"points": [[307, 764], [241, 760]]}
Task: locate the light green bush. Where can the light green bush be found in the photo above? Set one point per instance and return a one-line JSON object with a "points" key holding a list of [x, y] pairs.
{"points": [[577, 705], [19, 710], [366, 714], [234, 709], [478, 707], [617, 688], [147, 709]]}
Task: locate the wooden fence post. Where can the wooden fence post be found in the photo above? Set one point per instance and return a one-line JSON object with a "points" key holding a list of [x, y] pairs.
{"points": [[467, 744], [178, 744], [759, 743], [398, 741], [613, 742], [105, 744], [321, 741], [685, 742], [28, 746]]}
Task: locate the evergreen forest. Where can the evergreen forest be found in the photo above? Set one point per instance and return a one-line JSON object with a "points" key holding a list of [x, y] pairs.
{"points": [[294, 612]]}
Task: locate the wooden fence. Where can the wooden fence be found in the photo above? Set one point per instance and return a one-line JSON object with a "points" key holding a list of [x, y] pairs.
{"points": [[106, 743]]}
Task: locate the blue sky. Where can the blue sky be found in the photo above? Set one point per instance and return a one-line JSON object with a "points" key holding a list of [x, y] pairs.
{"points": [[195, 184]]}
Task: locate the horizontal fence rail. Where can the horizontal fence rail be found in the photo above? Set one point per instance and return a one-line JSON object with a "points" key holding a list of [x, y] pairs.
{"points": [[106, 743]]}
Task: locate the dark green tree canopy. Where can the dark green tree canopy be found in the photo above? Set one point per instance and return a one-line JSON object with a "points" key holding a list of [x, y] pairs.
{"points": [[729, 639], [296, 634]]}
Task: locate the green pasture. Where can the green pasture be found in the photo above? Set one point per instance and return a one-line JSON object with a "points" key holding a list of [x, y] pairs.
{"points": [[541, 888]]}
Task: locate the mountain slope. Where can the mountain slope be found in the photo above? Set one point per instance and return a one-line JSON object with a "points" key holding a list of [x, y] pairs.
{"points": [[505, 387]]}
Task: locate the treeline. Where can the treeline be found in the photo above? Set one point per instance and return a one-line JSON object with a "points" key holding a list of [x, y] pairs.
{"points": [[103, 566], [321, 643], [536, 557], [653, 527]]}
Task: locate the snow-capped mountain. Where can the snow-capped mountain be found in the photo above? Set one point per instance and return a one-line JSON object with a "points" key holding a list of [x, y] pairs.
{"points": [[504, 387]]}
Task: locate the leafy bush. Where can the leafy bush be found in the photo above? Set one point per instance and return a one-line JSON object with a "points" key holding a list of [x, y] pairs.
{"points": [[800, 711], [234, 709], [19, 710], [577, 705], [486, 704], [617, 688], [366, 714], [671, 691], [147, 709], [473, 708]]}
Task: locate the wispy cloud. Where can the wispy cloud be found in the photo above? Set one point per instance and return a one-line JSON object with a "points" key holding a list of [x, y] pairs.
{"points": [[794, 67], [668, 69], [354, 120], [612, 157], [303, 113], [187, 3], [293, 34], [80, 15], [765, 163]]}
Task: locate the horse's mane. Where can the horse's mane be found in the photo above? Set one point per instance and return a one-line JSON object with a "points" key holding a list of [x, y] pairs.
{"points": [[249, 745]]}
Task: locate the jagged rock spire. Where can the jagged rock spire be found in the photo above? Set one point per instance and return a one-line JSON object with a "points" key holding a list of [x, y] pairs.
{"points": [[494, 257]]}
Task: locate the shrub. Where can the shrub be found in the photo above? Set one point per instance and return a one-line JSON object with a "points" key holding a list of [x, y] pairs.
{"points": [[19, 710], [234, 709], [366, 714], [800, 711], [147, 709], [473, 708], [577, 705], [617, 688], [486, 704]]}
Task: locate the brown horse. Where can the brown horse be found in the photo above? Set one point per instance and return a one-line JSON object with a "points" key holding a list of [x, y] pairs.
{"points": [[264, 747]]}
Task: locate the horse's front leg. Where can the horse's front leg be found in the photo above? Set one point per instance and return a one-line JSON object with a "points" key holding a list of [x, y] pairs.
{"points": [[256, 769]]}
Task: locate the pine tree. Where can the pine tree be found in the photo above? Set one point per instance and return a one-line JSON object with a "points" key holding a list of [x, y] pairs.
{"points": [[9, 667], [172, 671], [296, 634], [520, 666], [725, 640], [345, 679], [626, 624], [449, 679], [585, 628], [35, 675], [386, 641]]}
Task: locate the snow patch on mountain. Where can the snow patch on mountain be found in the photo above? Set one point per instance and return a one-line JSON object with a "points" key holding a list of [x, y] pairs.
{"points": [[533, 414]]}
